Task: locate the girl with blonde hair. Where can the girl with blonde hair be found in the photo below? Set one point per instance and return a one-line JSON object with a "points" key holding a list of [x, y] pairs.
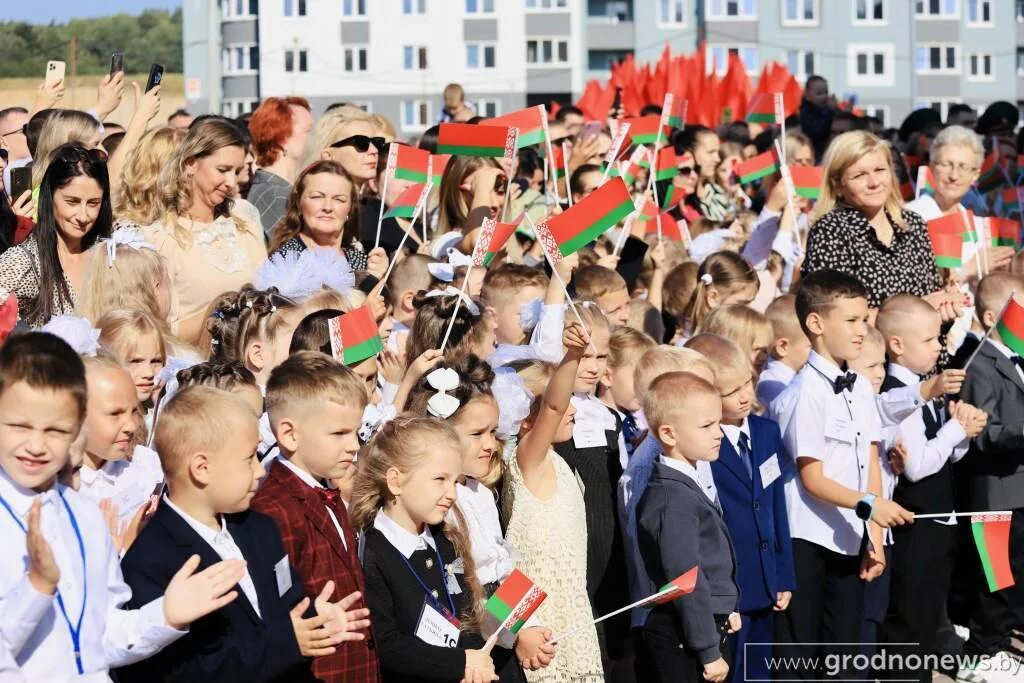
{"points": [[136, 200], [750, 330], [135, 340]]}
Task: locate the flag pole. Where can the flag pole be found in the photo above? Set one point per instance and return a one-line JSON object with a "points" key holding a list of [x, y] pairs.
{"points": [[392, 162], [988, 332], [671, 588], [455, 314], [565, 165], [550, 155], [968, 226], [947, 515], [421, 204]]}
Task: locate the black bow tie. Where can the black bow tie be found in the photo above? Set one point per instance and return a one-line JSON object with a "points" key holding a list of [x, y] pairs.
{"points": [[844, 382]]}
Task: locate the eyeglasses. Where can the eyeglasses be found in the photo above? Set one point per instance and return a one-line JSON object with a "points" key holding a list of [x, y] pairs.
{"points": [[14, 132], [948, 166], [361, 143], [687, 170]]}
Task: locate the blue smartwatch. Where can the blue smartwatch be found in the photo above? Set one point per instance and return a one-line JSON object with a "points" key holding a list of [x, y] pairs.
{"points": [[865, 506]]}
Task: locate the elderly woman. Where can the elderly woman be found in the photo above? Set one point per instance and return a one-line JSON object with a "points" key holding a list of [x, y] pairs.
{"points": [[955, 159], [860, 227]]}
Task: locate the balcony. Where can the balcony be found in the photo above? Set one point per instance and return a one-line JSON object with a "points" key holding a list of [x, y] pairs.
{"points": [[610, 25]]}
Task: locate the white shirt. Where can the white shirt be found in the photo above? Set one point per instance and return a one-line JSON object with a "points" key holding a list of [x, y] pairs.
{"points": [[838, 430], [682, 466], [403, 541], [128, 484], [493, 556], [224, 545], [310, 480], [775, 377], [32, 626], [593, 419], [732, 433], [766, 238]]}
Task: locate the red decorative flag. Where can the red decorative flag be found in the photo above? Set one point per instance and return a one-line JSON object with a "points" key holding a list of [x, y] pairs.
{"points": [[646, 130], [925, 180], [1005, 232], [665, 167], [586, 220], [408, 163], [492, 239], [516, 599], [807, 180], [438, 162], [991, 175], [757, 167], [1011, 327], [405, 205], [669, 227], [529, 121], [956, 223], [558, 161], [948, 248], [631, 169], [465, 139], [992, 538], [354, 336], [1011, 200], [762, 109], [674, 111], [681, 585]]}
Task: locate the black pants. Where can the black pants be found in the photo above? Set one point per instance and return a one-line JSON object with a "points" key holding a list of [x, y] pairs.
{"points": [[922, 563], [669, 661], [826, 608], [994, 615]]}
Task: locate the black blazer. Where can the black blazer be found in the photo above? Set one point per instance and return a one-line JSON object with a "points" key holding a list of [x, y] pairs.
{"points": [[396, 601], [233, 643], [679, 528]]}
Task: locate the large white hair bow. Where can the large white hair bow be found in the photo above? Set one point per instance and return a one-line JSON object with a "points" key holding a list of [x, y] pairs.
{"points": [[442, 404], [445, 272], [168, 375], [452, 291], [77, 332], [514, 401], [129, 237], [298, 275], [375, 417]]}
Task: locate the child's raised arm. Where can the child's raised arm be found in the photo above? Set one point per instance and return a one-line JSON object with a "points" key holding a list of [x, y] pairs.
{"points": [[533, 447]]}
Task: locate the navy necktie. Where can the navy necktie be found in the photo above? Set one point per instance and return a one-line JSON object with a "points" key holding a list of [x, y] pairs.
{"points": [[744, 453], [629, 430]]}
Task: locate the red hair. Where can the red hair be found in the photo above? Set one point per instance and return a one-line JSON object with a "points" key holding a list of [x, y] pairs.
{"points": [[271, 125]]}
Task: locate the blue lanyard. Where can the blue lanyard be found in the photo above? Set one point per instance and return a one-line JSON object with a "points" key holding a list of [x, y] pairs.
{"points": [[444, 584], [76, 630]]}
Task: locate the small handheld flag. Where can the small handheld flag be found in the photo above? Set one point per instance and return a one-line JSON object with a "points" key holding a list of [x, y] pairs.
{"points": [[492, 238], [405, 204], [925, 180], [516, 599], [674, 111], [1005, 231], [438, 162], [955, 223], [354, 336], [762, 165], [991, 175], [529, 121], [992, 538], [807, 180], [584, 222], [613, 151], [1011, 326], [646, 130], [681, 585], [1011, 200], [408, 163], [948, 248], [476, 141], [762, 109]]}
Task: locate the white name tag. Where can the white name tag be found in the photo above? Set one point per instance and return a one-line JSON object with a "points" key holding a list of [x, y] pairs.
{"points": [[589, 436], [283, 574], [769, 470], [434, 629]]}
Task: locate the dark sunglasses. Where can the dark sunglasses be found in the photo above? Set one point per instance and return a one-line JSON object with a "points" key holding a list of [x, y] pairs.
{"points": [[687, 170], [361, 143], [4, 155]]}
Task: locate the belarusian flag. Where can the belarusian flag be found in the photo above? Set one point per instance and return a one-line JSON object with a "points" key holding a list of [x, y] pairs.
{"points": [[491, 240], [646, 130], [438, 162], [670, 197], [1005, 232], [761, 108], [586, 220], [907, 190], [408, 163], [466, 139], [925, 180], [516, 599], [631, 169], [405, 205], [956, 223], [948, 248], [354, 336], [674, 111], [991, 175], [757, 167], [558, 161], [681, 585], [1011, 327], [665, 165], [1011, 199], [992, 535], [807, 180], [529, 121], [669, 227]]}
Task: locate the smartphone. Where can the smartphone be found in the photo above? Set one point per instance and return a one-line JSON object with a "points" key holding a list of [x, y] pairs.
{"points": [[591, 129], [21, 180], [617, 102], [54, 72], [156, 75], [116, 62]]}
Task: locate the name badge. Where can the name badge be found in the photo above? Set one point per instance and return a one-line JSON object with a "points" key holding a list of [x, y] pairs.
{"points": [[769, 470], [589, 436], [283, 574], [434, 629]]}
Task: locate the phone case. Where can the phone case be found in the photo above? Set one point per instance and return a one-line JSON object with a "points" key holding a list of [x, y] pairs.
{"points": [[54, 72]]}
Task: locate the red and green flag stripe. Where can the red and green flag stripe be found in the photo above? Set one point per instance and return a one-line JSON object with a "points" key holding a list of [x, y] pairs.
{"points": [[807, 180], [991, 175], [438, 162], [409, 163], [588, 218], [758, 167], [1011, 199], [1011, 327], [529, 121], [405, 205], [465, 139], [992, 538], [1005, 231], [680, 586], [516, 599], [956, 223], [492, 238], [646, 130], [674, 111], [354, 336], [925, 180], [665, 166], [948, 249], [761, 108]]}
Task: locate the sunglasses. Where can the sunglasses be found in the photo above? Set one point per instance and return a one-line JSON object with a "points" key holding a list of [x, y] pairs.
{"points": [[361, 143], [687, 170], [4, 154]]}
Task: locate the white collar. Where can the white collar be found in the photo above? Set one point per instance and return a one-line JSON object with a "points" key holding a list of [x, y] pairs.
{"points": [[684, 467], [777, 366], [1002, 348], [403, 541], [110, 471], [904, 374], [307, 478], [827, 368], [205, 532], [20, 498], [732, 432]]}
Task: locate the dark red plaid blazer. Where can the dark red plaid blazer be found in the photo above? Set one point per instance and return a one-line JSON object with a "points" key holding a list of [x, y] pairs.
{"points": [[316, 552]]}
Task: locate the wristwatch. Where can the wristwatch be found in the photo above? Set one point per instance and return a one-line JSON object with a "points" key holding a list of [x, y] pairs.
{"points": [[864, 506]]}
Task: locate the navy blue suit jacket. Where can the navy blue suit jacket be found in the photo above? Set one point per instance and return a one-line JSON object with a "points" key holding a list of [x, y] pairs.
{"points": [[756, 517], [233, 643]]}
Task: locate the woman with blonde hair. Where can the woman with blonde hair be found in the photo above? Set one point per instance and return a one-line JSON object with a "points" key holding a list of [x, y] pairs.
{"points": [[63, 126], [348, 135], [136, 201], [860, 227], [212, 242]]}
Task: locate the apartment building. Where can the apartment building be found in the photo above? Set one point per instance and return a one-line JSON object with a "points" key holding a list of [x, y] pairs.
{"points": [[394, 57]]}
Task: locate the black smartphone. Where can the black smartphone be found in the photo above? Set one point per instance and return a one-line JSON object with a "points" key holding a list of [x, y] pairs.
{"points": [[21, 180], [617, 102], [156, 75], [116, 62]]}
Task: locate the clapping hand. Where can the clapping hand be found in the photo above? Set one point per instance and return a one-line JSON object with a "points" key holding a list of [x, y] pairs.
{"points": [[344, 621], [190, 596], [43, 572]]}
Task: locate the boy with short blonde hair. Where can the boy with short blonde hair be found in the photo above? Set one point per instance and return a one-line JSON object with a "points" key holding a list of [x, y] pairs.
{"points": [[409, 276], [616, 387], [513, 295], [606, 288], [789, 350]]}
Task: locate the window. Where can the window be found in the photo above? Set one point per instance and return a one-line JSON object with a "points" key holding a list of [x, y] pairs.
{"points": [[239, 9], [979, 12], [487, 108], [414, 6], [938, 59], [879, 111], [295, 60], [870, 64], [353, 8], [415, 114], [941, 106], [937, 9], [672, 12], [719, 62], [981, 67], [868, 12], [234, 107], [802, 63], [355, 58], [1020, 11], [480, 55], [730, 9], [800, 12], [414, 58], [547, 51], [545, 4], [479, 6], [238, 59], [1020, 61], [295, 8]]}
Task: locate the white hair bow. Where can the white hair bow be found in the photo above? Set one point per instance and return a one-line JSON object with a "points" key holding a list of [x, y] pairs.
{"points": [[529, 313], [302, 274], [442, 404], [452, 291], [77, 332], [514, 401], [129, 237], [375, 417], [445, 272]]}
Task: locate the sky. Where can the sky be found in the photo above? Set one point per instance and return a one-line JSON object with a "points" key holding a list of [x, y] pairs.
{"points": [[43, 11]]}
